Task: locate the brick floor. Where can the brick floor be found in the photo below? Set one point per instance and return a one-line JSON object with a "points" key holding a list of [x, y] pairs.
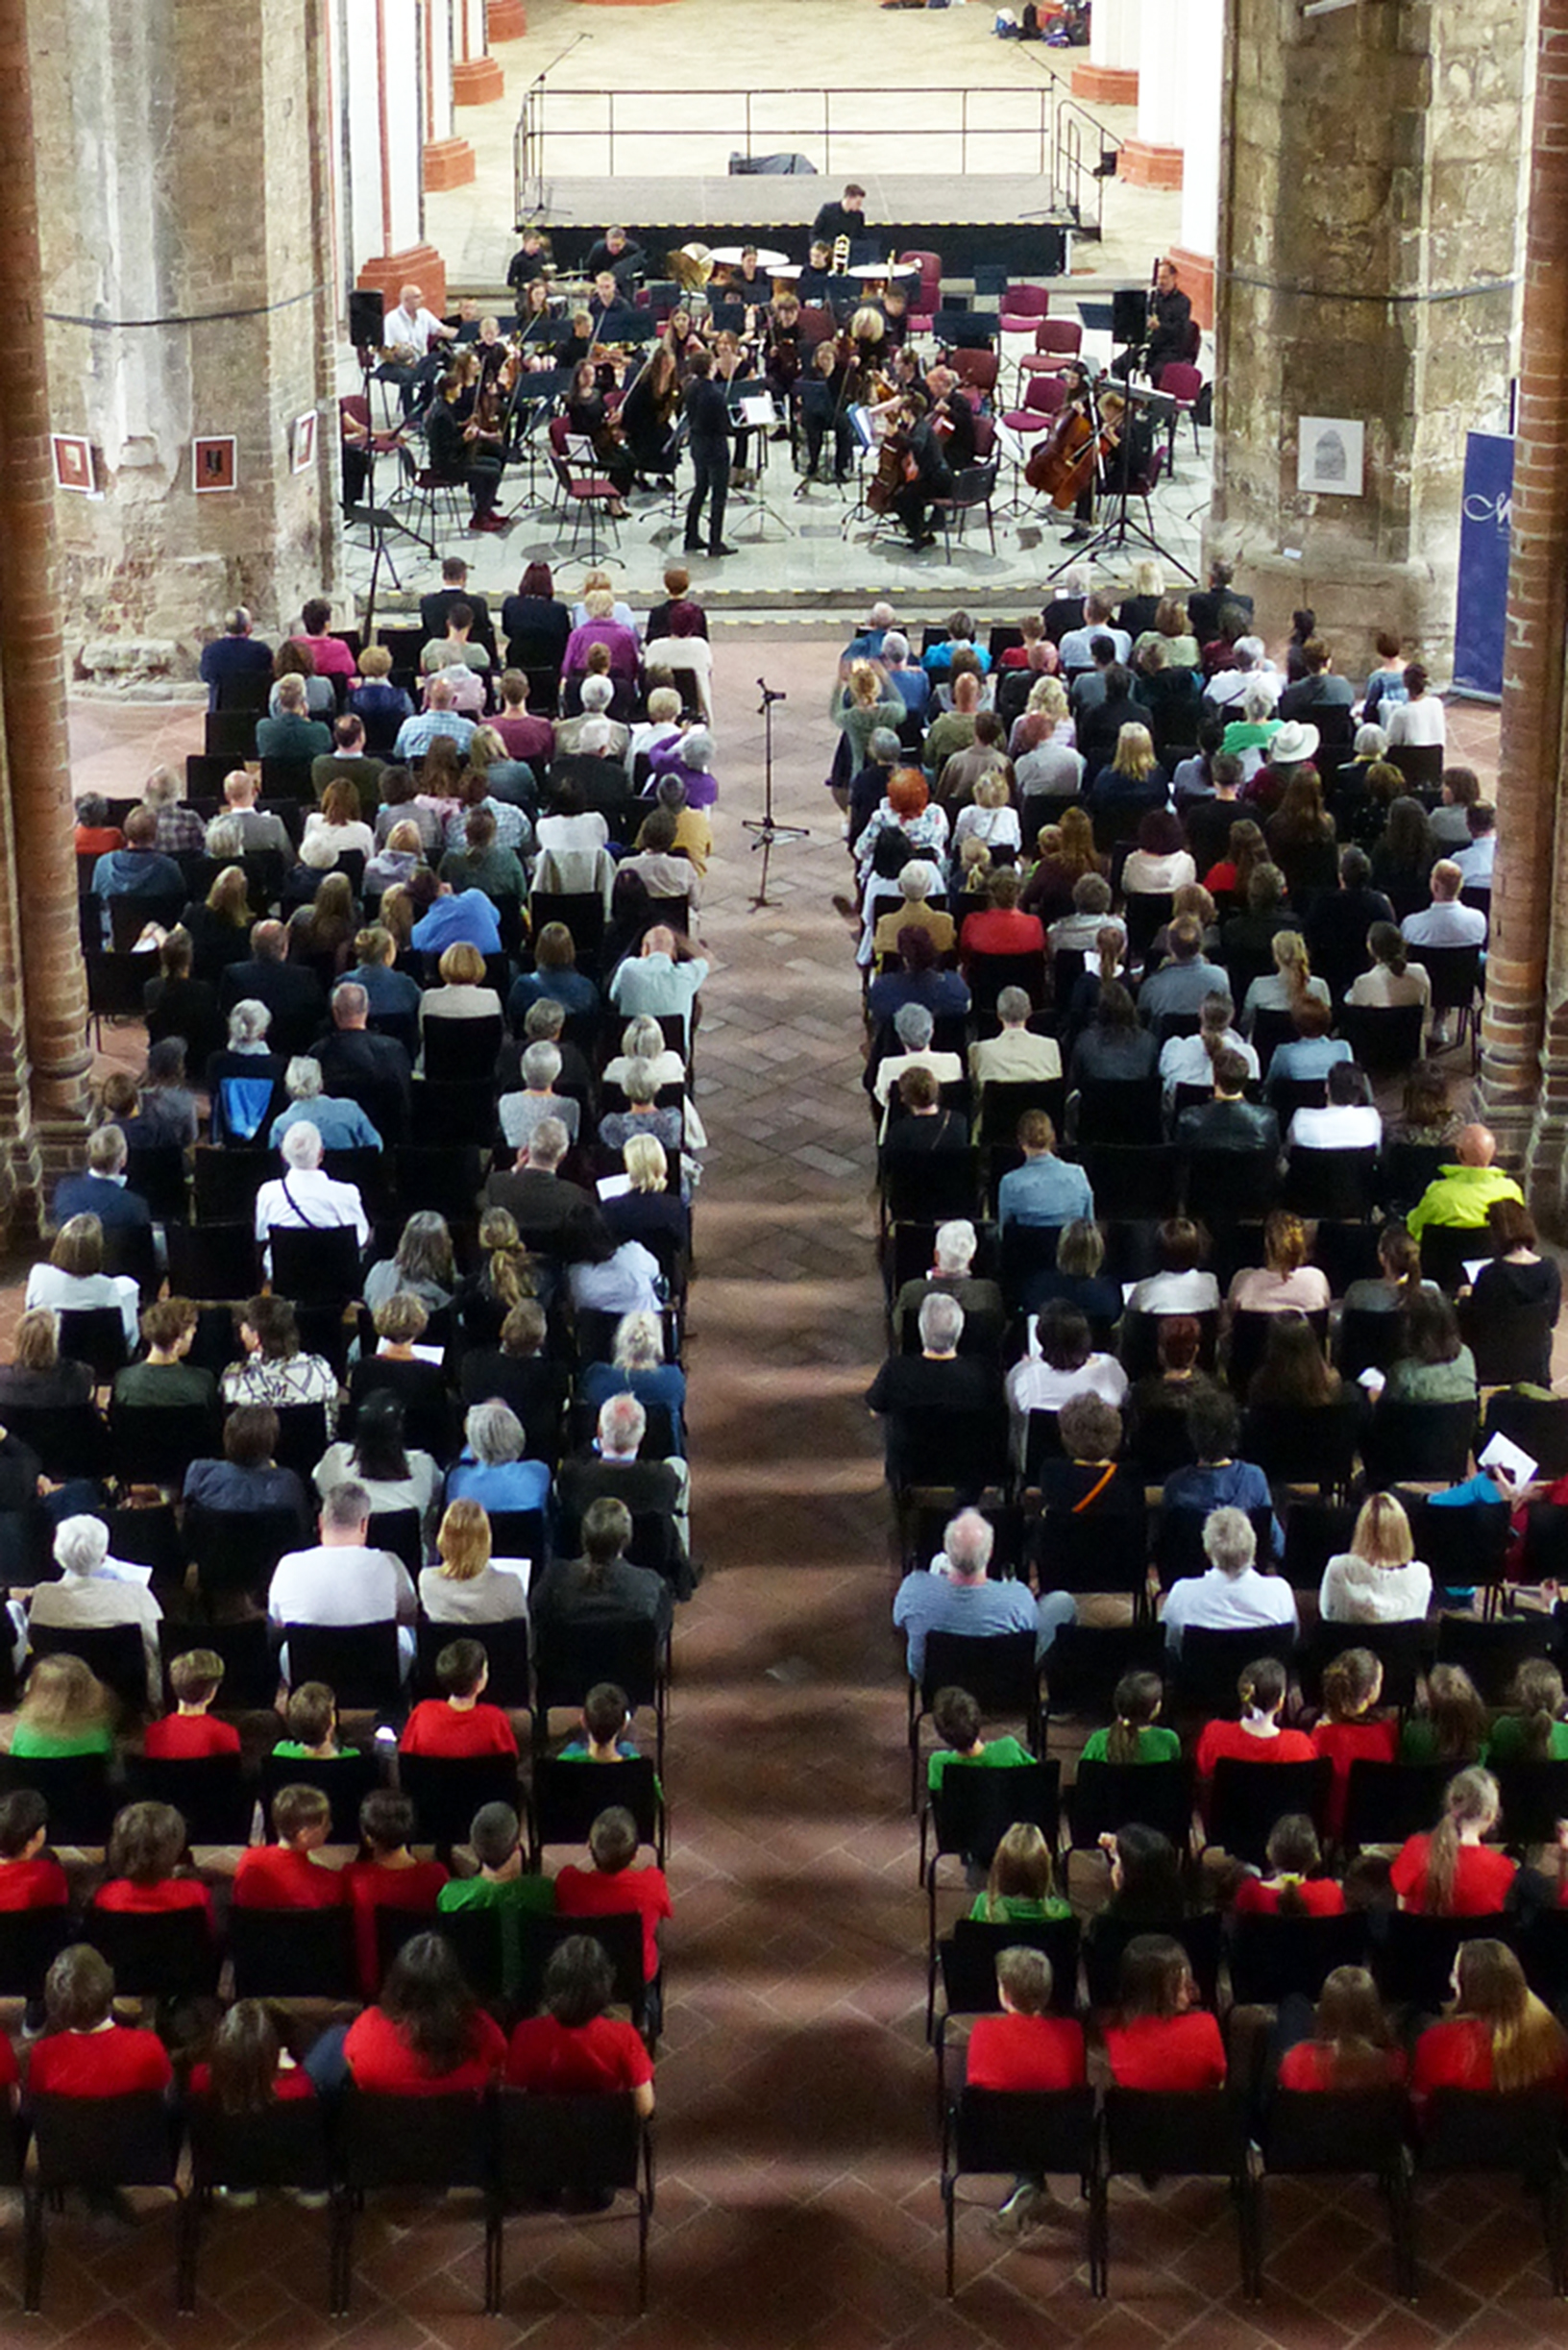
{"points": [[796, 2145]]}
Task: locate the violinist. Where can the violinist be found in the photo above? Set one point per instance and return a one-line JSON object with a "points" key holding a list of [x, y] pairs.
{"points": [[782, 357], [648, 417], [952, 418], [927, 470], [577, 342], [816, 279], [534, 323], [469, 453], [825, 393], [680, 337], [587, 414], [531, 259], [489, 348], [734, 373]]}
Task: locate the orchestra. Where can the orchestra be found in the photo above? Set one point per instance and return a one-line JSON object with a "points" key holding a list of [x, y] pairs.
{"points": [[829, 341]]}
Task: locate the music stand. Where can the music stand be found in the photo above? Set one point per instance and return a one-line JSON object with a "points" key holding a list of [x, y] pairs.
{"points": [[766, 829], [1118, 527], [759, 414]]}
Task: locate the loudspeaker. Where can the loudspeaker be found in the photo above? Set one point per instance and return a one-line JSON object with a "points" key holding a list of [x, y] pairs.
{"points": [[366, 310], [1129, 310]]}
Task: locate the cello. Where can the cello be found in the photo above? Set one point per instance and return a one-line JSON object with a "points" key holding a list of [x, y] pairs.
{"points": [[1064, 460]]}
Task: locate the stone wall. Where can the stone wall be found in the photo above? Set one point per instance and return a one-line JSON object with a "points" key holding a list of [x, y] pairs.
{"points": [[188, 256], [1369, 241]]}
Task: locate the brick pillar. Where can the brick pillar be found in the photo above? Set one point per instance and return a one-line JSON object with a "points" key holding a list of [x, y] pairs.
{"points": [[1370, 234], [1109, 77], [508, 21], [1525, 1036], [43, 1004], [476, 77]]}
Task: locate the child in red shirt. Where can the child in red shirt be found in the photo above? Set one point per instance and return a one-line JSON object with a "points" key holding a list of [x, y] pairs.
{"points": [[248, 2066], [1027, 2048], [189, 1734], [1161, 2038], [283, 1875], [1258, 1736], [455, 1723], [1291, 1889], [429, 2036], [575, 2049], [1346, 1731], [86, 2053], [386, 1873], [1351, 2047], [145, 1848], [1452, 1873], [30, 1876], [1497, 2034], [612, 1885]]}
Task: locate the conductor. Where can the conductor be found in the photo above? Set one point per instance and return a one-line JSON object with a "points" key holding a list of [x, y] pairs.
{"points": [[707, 427]]}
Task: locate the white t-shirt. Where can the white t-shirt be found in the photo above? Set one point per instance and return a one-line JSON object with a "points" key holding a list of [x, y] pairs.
{"points": [[1032, 1385], [1219, 1602], [1353, 1591], [341, 1583], [399, 326], [1352, 1127], [1423, 722], [307, 1200], [1195, 1292]]}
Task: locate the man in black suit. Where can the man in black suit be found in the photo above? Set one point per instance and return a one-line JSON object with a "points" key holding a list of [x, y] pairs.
{"points": [[1339, 920], [558, 1219], [370, 1069], [291, 993], [1099, 726], [707, 422], [619, 254], [933, 476], [612, 1472], [842, 217], [1203, 605], [435, 610], [1229, 1122]]}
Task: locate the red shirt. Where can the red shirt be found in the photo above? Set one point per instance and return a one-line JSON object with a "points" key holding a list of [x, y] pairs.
{"points": [[1026, 2052], [1348, 1742], [1231, 1738], [1454, 2054], [170, 1893], [1310, 2066], [1001, 930], [333, 657], [1168, 2052], [33, 1884], [287, 2086], [1481, 1878], [371, 1884], [435, 1728], [586, 2060], [189, 1738], [1320, 1898], [526, 738], [274, 1877], [588, 1893], [381, 2060], [114, 2064]]}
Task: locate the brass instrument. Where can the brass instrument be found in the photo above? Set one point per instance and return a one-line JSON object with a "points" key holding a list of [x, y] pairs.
{"points": [[840, 256], [691, 266]]}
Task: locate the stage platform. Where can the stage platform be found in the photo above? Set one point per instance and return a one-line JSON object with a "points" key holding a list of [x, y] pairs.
{"points": [[1006, 219]]}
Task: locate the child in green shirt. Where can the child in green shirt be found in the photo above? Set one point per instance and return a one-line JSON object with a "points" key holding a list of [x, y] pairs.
{"points": [[313, 1725], [1134, 1736], [958, 1721], [1532, 1730], [496, 1835], [1019, 1890], [66, 1710]]}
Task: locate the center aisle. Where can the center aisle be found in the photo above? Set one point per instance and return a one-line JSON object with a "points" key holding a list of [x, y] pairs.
{"points": [[795, 2088]]}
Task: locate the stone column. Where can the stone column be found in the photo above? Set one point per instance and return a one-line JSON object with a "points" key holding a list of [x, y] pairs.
{"points": [[447, 160], [1525, 1036], [1203, 71], [476, 76], [1369, 226], [1111, 76], [1153, 156], [508, 21], [43, 1005], [187, 254], [379, 66]]}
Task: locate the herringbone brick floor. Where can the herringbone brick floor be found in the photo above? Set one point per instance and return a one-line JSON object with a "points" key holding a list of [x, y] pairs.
{"points": [[796, 2142]]}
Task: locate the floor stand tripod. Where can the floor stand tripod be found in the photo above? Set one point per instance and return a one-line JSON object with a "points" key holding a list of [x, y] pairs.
{"points": [[765, 827]]}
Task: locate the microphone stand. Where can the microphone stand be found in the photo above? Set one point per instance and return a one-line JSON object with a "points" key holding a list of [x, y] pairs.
{"points": [[536, 203], [765, 827]]}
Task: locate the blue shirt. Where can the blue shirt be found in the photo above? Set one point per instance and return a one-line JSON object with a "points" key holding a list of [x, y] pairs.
{"points": [[508, 1484], [1234, 1484], [1305, 1057], [416, 734], [467, 918], [231, 656], [136, 872], [342, 1125], [1045, 1191], [572, 990], [926, 1603], [386, 991], [99, 1195]]}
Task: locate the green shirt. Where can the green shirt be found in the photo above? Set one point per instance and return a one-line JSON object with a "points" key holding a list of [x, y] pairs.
{"points": [[1018, 1909], [1155, 1745], [1418, 1744], [514, 1896], [1001, 1754], [52, 1746], [1506, 1744], [167, 1384], [294, 1750]]}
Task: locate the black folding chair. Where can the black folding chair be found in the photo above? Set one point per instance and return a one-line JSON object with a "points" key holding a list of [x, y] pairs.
{"points": [[96, 2143], [361, 1662], [293, 1954], [1338, 2134], [436, 2142], [997, 1669], [1249, 1797], [1517, 2135], [1272, 1958], [567, 1797], [285, 2145], [1154, 2133], [1028, 2134], [172, 1955], [966, 1961], [446, 1792]]}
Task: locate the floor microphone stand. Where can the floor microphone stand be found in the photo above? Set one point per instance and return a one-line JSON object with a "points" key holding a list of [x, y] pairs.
{"points": [[766, 829]]}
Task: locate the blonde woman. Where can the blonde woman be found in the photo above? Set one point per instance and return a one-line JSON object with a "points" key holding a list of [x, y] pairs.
{"points": [[338, 818], [1289, 982], [1285, 1282], [991, 818], [649, 1211], [1380, 1578], [462, 994], [466, 1588], [1040, 744]]}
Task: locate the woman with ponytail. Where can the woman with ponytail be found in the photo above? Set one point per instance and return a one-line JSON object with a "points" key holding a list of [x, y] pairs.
{"points": [[1399, 1275], [1257, 1737], [1288, 983], [1452, 1872], [1393, 979], [1532, 1730], [1135, 1735], [1291, 1886], [1497, 2034]]}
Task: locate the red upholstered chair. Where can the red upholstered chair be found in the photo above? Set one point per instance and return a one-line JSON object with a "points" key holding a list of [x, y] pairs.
{"points": [[1023, 307], [1044, 397], [1183, 383]]}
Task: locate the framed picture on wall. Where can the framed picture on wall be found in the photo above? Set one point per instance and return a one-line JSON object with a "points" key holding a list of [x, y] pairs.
{"points": [[212, 464], [302, 439], [1331, 455], [73, 462]]}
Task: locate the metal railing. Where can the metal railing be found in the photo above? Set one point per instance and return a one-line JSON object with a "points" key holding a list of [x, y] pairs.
{"points": [[1019, 131]]}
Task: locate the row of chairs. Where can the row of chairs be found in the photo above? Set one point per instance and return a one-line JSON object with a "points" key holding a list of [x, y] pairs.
{"points": [[512, 2150]]}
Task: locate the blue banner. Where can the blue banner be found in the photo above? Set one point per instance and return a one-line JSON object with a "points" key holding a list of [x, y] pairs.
{"points": [[1481, 602]]}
